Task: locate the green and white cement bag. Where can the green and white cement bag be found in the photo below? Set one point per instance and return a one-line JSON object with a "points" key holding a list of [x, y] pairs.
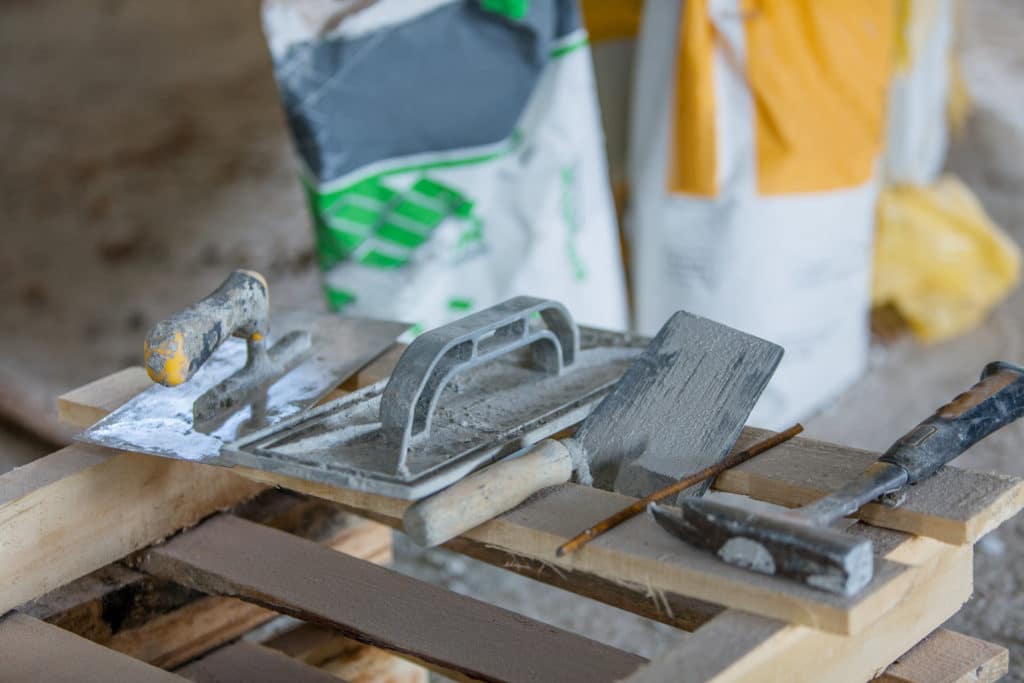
{"points": [[452, 154]]}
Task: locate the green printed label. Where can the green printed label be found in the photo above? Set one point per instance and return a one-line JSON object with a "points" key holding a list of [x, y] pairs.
{"points": [[570, 216], [460, 304], [379, 226], [337, 299], [513, 9]]}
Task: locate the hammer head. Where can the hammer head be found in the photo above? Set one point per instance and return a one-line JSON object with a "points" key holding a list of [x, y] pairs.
{"points": [[775, 544]]}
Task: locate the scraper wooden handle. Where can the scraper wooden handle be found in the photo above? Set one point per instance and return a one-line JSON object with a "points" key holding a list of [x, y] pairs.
{"points": [[486, 494], [177, 347]]}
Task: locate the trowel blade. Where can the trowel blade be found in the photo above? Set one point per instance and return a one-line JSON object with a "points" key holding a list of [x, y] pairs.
{"points": [[159, 421], [679, 408]]}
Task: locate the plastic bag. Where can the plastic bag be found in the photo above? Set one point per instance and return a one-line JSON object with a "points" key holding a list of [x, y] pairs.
{"points": [[939, 259]]}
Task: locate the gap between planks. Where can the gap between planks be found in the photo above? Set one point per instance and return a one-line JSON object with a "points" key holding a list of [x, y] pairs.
{"points": [[165, 624]]}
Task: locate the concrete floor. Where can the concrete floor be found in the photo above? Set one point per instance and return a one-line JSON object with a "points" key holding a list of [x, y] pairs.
{"points": [[145, 155]]}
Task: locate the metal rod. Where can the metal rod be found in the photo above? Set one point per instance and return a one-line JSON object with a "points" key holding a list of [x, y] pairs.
{"points": [[590, 533]]}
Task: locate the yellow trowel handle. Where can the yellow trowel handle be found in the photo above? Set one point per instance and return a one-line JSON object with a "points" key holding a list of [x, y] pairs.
{"points": [[178, 346]]}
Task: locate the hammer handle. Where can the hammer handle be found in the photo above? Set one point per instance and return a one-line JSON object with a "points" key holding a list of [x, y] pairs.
{"points": [[994, 402], [486, 494], [178, 346]]}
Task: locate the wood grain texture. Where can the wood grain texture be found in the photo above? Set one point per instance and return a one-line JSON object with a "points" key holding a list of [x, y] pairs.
{"points": [[165, 624], [668, 608], [639, 555], [373, 665], [250, 663], [34, 651], [735, 646], [83, 507], [954, 506], [349, 659], [86, 405], [229, 556], [949, 657], [313, 644]]}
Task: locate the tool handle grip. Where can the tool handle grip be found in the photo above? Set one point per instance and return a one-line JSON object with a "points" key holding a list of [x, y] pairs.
{"points": [[994, 402], [486, 494], [178, 346]]}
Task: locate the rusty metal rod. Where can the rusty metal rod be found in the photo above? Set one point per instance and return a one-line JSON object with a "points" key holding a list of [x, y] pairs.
{"points": [[590, 533]]}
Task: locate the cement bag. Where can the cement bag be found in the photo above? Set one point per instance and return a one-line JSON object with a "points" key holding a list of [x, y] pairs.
{"points": [[451, 153], [918, 125], [756, 135]]}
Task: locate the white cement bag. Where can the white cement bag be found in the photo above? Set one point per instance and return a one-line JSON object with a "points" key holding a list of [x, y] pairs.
{"points": [[790, 266], [452, 154], [918, 127]]}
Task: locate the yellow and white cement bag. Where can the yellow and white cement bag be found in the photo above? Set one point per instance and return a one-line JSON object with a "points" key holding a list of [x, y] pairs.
{"points": [[756, 134], [452, 154]]}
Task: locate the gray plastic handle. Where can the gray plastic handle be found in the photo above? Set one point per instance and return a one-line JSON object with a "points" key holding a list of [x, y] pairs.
{"points": [[432, 359]]}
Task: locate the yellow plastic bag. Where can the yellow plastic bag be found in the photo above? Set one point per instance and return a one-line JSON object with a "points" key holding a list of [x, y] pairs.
{"points": [[939, 258]]}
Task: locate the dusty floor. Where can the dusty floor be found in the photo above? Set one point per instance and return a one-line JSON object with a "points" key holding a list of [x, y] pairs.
{"points": [[145, 156]]}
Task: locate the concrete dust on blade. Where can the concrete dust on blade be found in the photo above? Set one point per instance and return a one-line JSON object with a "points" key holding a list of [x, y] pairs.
{"points": [[159, 421]]}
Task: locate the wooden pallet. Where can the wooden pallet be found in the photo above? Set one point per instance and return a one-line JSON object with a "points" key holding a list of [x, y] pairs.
{"points": [[77, 511]]}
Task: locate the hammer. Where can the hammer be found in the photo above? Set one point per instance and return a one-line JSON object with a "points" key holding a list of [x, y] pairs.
{"points": [[799, 544]]}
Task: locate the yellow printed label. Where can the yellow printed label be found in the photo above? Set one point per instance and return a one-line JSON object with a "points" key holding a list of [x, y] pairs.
{"points": [[691, 159], [818, 72]]}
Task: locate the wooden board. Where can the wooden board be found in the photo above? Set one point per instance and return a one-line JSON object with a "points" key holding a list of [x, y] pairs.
{"points": [[83, 507], [349, 659], [165, 624], [949, 657], [954, 506], [249, 663], [640, 556], [229, 556], [34, 651], [634, 554], [664, 606], [736, 646]]}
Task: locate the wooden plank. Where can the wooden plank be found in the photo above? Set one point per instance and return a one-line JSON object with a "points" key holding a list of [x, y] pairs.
{"points": [[33, 650], [190, 631], [633, 556], [86, 405], [165, 624], [345, 658], [372, 665], [639, 555], [250, 663], [668, 608], [83, 507], [949, 657], [954, 506], [735, 646], [229, 556]]}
